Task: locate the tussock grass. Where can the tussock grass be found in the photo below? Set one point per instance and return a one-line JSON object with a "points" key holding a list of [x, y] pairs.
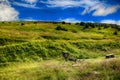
{"points": [[60, 70]]}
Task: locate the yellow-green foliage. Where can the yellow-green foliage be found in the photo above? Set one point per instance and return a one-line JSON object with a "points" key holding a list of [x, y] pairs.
{"points": [[36, 50], [26, 41], [60, 70], [14, 32], [33, 51]]}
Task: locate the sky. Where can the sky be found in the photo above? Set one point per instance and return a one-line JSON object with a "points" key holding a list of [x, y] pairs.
{"points": [[103, 11]]}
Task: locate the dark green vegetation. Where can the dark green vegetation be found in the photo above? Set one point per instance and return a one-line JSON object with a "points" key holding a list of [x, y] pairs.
{"points": [[26, 48]]}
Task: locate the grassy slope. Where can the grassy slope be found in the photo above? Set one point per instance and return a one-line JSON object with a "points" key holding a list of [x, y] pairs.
{"points": [[14, 32], [41, 41], [60, 70], [34, 41]]}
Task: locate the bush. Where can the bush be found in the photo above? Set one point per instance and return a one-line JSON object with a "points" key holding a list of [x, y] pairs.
{"points": [[69, 23], [50, 37], [115, 33], [22, 24], [61, 28], [99, 28], [82, 23], [86, 26], [63, 22], [77, 23]]}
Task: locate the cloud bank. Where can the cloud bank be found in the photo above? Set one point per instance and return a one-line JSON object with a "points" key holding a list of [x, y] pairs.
{"points": [[7, 13], [72, 20], [111, 22]]}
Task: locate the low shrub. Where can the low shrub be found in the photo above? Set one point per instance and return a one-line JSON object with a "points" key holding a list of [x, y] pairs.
{"points": [[61, 28], [52, 49]]}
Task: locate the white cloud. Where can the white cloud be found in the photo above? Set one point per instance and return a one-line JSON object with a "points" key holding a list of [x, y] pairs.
{"points": [[72, 20], [61, 3], [111, 22], [7, 13], [31, 1], [29, 19], [105, 10], [99, 8], [26, 5]]}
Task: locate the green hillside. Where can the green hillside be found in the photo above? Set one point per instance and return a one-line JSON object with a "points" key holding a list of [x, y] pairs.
{"points": [[25, 43]]}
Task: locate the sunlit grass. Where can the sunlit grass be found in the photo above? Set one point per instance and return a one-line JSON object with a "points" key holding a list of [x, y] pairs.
{"points": [[31, 31], [61, 70], [33, 51]]}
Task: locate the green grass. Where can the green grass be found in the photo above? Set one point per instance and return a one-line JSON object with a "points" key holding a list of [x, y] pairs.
{"points": [[30, 31], [33, 51], [60, 70], [36, 50]]}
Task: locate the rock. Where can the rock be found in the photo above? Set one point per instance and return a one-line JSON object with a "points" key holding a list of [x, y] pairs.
{"points": [[66, 55], [110, 56]]}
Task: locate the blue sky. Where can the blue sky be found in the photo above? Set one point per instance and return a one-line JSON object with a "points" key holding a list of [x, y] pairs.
{"points": [[104, 11]]}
